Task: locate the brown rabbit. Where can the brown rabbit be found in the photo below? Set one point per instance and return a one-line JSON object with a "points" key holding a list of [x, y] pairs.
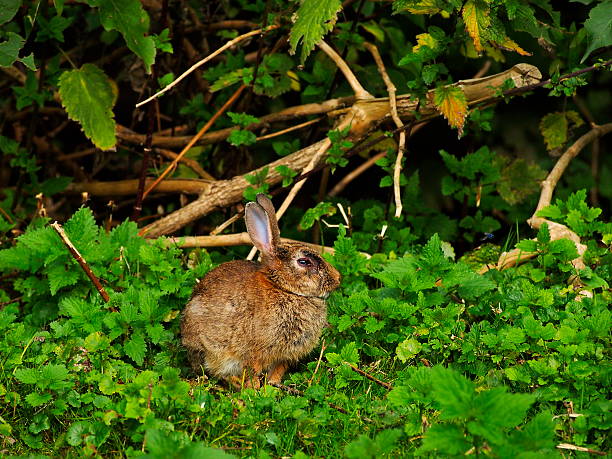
{"points": [[246, 317]]}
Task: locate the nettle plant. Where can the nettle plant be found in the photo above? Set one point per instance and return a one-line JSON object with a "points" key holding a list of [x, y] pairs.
{"points": [[427, 353]]}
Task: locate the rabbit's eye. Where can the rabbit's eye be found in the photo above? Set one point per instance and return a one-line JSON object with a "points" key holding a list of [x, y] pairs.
{"points": [[304, 262]]}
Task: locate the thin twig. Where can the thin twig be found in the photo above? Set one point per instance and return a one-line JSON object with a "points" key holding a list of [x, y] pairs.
{"points": [[189, 162], [14, 300], [230, 240], [81, 261], [359, 91], [580, 448], [318, 363], [146, 153], [198, 64], [195, 138], [386, 385], [397, 168], [226, 223], [289, 129]]}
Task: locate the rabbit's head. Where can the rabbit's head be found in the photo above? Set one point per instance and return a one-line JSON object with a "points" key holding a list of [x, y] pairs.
{"points": [[289, 266]]}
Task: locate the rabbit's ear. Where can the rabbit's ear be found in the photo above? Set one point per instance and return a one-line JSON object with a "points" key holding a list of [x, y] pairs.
{"points": [[258, 227], [265, 202]]}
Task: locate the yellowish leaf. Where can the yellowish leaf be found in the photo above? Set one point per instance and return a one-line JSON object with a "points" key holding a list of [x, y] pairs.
{"points": [[511, 45], [475, 15], [451, 102], [424, 7], [425, 39]]}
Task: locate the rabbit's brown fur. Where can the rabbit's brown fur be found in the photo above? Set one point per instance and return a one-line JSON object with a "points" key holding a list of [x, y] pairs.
{"points": [[251, 317]]}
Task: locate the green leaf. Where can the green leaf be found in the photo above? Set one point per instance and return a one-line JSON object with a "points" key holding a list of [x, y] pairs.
{"points": [[77, 431], [322, 209], [136, 348], [27, 375], [87, 96], [35, 399], [132, 21], [242, 119], [408, 349], [8, 9], [39, 423], [555, 127], [447, 439], [61, 275], [599, 28], [241, 137], [313, 20], [9, 51], [453, 392]]}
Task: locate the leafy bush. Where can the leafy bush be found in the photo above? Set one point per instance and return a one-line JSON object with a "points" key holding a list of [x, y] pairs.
{"points": [[434, 347]]}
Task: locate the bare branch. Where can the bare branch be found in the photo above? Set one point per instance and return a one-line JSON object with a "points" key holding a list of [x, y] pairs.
{"points": [[398, 123], [360, 93], [386, 385], [80, 260], [557, 230], [205, 128]]}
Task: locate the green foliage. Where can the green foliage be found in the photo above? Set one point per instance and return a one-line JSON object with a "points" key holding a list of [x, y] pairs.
{"points": [[556, 126], [241, 136], [320, 210], [9, 52], [286, 173], [258, 182], [512, 341], [87, 95], [313, 20], [507, 363], [130, 19], [598, 28], [339, 144]]}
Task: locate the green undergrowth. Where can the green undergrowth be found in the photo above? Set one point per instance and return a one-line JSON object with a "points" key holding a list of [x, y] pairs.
{"points": [[504, 364]]}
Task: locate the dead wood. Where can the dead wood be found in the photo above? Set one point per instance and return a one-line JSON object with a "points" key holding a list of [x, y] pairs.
{"points": [[364, 115], [556, 230]]}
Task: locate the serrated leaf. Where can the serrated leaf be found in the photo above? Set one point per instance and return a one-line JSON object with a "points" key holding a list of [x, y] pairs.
{"points": [[599, 28], [425, 39], [27, 375], [555, 126], [453, 392], [312, 21], [131, 20], [8, 9], [416, 7], [408, 349], [475, 15], [510, 45], [60, 275], [35, 399], [87, 96], [448, 439], [81, 228], [452, 104], [136, 348], [9, 51]]}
